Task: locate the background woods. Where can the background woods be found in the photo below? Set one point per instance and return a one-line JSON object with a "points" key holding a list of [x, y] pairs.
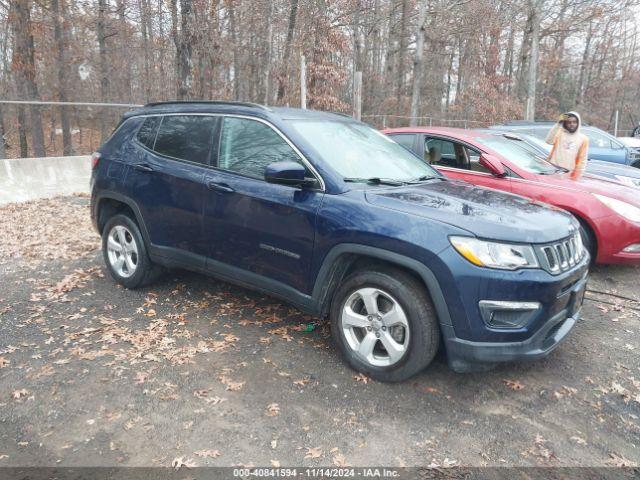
{"points": [[479, 61]]}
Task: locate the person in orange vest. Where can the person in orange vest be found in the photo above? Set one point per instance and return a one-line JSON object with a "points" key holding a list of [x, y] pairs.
{"points": [[570, 147]]}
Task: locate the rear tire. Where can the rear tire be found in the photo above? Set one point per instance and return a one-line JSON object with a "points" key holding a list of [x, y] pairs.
{"points": [[384, 324], [125, 253]]}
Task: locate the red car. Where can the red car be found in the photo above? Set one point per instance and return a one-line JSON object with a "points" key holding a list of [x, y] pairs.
{"points": [[609, 212]]}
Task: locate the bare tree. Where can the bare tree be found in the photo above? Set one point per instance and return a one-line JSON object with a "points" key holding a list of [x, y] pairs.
{"points": [[24, 67]]}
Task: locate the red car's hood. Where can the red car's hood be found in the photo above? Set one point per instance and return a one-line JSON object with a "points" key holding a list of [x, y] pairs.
{"points": [[591, 184]]}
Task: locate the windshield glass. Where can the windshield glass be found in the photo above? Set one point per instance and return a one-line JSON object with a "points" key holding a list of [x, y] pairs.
{"points": [[357, 151], [544, 146], [522, 157]]}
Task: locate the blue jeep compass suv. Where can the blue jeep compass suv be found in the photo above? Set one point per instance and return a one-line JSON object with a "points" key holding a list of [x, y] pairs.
{"points": [[339, 220]]}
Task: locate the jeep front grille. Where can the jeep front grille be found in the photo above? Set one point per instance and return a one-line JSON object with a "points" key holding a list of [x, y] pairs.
{"points": [[561, 256]]}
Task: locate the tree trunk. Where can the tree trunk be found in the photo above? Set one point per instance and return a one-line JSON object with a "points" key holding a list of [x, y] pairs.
{"points": [[3, 153], [59, 18], [184, 47], [237, 94], [404, 22], [104, 72], [144, 24], [284, 79], [25, 69], [268, 52], [532, 72], [417, 64], [22, 132], [126, 68]]}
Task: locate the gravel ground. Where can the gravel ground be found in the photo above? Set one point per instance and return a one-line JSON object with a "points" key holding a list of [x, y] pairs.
{"points": [[193, 371]]}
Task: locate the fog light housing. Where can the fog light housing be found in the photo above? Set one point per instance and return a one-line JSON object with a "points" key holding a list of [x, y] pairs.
{"points": [[507, 314], [633, 248]]}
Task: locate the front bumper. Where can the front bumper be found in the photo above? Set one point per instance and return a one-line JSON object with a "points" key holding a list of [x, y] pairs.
{"points": [[465, 355], [614, 234]]}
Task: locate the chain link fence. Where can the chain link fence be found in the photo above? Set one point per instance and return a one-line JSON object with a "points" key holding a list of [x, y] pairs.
{"points": [[90, 123]]}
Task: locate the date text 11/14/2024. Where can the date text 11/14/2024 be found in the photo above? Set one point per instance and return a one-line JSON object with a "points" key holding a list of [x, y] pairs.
{"points": [[372, 472]]}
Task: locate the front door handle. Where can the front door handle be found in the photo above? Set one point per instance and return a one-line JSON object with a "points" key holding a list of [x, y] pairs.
{"points": [[219, 187], [143, 167]]}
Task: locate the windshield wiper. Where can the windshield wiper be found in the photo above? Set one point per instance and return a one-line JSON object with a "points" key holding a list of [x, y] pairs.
{"points": [[424, 178], [375, 181], [553, 172]]}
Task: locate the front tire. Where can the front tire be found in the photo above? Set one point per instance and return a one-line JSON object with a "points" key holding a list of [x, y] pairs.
{"points": [[384, 324], [589, 241], [125, 253]]}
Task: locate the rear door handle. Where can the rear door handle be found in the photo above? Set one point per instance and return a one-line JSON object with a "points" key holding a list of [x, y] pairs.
{"points": [[143, 167], [219, 187]]}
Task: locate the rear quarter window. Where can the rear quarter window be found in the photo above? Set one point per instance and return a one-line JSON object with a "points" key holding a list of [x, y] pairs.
{"points": [[147, 132]]}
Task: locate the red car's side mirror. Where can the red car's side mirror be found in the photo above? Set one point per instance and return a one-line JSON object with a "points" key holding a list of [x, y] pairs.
{"points": [[493, 164]]}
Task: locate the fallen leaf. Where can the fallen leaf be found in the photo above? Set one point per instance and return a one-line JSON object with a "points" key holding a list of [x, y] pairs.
{"points": [[207, 453], [180, 462], [340, 461], [275, 463], [618, 460], [18, 394], [361, 377], [3, 362], [513, 384], [313, 452], [273, 409]]}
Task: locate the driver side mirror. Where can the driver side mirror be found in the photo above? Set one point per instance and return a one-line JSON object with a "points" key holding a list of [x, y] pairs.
{"points": [[493, 164], [288, 173]]}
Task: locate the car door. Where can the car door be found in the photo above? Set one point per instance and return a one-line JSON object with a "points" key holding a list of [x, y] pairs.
{"points": [[263, 228], [601, 147], [460, 161], [167, 182]]}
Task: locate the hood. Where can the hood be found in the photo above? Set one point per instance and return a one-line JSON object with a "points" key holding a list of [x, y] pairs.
{"points": [[486, 213], [612, 168], [588, 184]]}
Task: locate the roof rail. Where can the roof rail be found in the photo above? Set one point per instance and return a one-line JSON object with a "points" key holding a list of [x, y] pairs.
{"points": [[208, 102]]}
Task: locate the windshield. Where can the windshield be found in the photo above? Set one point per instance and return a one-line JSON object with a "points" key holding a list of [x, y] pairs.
{"points": [[544, 146], [357, 151], [515, 153]]}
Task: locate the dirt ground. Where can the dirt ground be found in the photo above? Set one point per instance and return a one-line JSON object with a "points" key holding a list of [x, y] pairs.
{"points": [[193, 371]]}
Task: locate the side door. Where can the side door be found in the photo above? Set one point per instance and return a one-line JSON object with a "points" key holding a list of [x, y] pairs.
{"points": [[167, 183], [602, 148], [460, 161], [263, 228]]}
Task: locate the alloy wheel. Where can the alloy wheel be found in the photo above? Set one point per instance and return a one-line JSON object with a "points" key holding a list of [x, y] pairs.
{"points": [[122, 251], [375, 327]]}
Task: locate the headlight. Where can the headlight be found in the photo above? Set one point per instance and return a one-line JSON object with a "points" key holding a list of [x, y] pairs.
{"points": [[629, 181], [623, 209], [506, 256]]}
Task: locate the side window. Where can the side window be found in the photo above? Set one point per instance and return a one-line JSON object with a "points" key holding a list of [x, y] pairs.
{"points": [[596, 139], [439, 152], [186, 137], [147, 132], [248, 146], [405, 140], [447, 153]]}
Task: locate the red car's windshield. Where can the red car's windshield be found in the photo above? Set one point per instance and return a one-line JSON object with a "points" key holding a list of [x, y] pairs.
{"points": [[521, 157]]}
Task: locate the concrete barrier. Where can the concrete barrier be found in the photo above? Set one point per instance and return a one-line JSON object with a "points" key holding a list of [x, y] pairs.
{"points": [[24, 179]]}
